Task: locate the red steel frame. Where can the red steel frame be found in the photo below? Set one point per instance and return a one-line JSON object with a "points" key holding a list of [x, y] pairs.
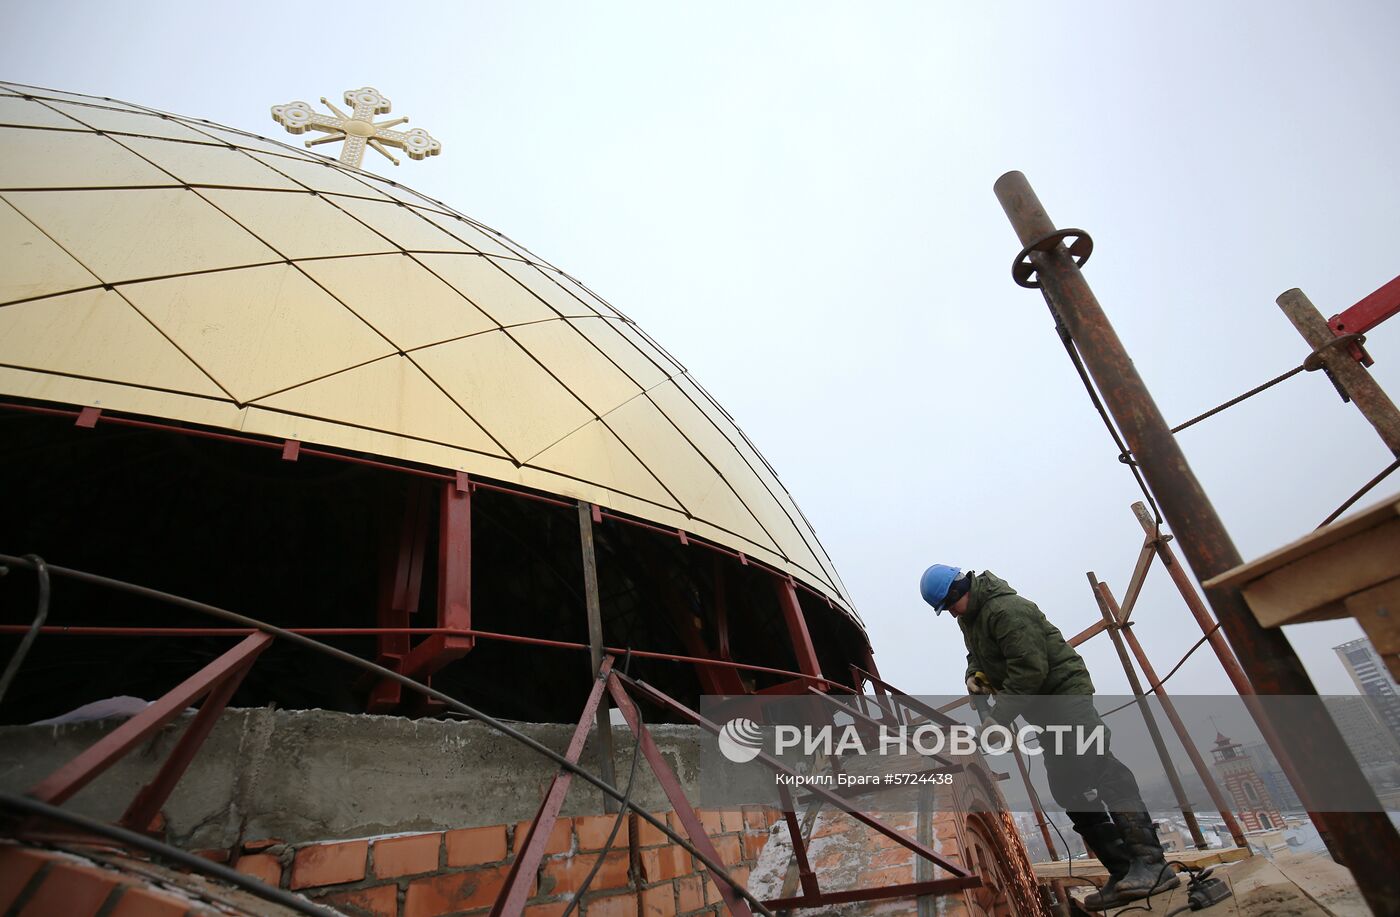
{"points": [[1366, 314]]}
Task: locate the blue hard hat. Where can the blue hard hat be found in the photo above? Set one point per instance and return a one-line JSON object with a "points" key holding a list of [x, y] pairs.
{"points": [[933, 585]]}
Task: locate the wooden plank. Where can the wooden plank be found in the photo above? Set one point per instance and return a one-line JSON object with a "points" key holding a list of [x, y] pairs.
{"points": [[1371, 517], [1319, 582], [1377, 610]]}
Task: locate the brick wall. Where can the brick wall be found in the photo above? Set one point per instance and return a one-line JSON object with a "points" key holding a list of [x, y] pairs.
{"points": [[462, 871]]}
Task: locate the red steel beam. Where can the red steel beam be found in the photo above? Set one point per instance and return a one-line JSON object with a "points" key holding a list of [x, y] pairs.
{"points": [[797, 626], [401, 582], [672, 787], [145, 807], [59, 786], [527, 862], [665, 700], [454, 584], [1368, 312]]}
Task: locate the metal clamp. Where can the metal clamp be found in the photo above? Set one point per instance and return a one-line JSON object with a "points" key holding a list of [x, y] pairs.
{"points": [[1314, 360], [1022, 271]]}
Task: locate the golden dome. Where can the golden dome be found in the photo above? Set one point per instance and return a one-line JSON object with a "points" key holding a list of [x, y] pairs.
{"points": [[165, 266]]}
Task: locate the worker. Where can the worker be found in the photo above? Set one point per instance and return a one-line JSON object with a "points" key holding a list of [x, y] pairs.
{"points": [[1017, 655]]}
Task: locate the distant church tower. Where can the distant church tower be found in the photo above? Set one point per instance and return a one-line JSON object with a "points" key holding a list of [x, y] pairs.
{"points": [[1253, 804]]}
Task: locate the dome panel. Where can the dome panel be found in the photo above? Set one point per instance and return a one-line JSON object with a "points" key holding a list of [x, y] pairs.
{"points": [[40, 92], [316, 175], [208, 316], [34, 265], [575, 362], [299, 225], [402, 225], [539, 283], [400, 298], [495, 292], [259, 330], [684, 471], [56, 159], [594, 453], [129, 235], [468, 233], [92, 334], [390, 395], [128, 122], [604, 334], [514, 399], [206, 164], [24, 113]]}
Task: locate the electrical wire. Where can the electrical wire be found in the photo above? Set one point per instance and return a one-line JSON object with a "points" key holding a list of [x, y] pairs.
{"points": [[166, 852], [1179, 663], [413, 685], [617, 822]]}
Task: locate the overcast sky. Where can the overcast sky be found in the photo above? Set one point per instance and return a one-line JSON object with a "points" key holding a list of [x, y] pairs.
{"points": [[796, 200]]}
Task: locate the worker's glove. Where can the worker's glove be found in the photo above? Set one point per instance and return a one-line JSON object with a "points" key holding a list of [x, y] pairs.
{"points": [[977, 687]]}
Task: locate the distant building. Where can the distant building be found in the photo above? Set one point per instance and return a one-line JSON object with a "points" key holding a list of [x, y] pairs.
{"points": [[1359, 721], [1254, 807], [1369, 672], [1275, 779]]}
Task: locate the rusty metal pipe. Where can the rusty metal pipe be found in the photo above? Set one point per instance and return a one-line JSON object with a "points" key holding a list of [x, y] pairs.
{"points": [[1111, 616], [1365, 842], [1202, 770]]}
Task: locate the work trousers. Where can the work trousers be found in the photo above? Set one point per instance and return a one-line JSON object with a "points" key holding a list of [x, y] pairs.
{"points": [[1088, 785]]}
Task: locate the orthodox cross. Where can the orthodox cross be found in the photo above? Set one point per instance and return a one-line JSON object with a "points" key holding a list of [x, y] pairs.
{"points": [[358, 128]]}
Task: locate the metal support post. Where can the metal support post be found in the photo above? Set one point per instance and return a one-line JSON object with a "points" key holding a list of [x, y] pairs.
{"points": [[60, 786], [1111, 615], [588, 514], [1193, 602], [1365, 842], [1351, 377], [797, 626], [1222, 805], [454, 582]]}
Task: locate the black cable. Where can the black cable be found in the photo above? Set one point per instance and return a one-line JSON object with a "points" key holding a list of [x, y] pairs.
{"points": [[167, 852], [1365, 489], [1179, 663], [1124, 455], [382, 672], [1147, 902], [617, 822], [40, 616]]}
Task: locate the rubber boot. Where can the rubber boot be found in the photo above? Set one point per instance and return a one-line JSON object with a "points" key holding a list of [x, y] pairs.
{"points": [[1107, 844], [1148, 873]]}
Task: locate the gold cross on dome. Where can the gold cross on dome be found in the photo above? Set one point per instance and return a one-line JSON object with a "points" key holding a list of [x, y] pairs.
{"points": [[358, 128]]}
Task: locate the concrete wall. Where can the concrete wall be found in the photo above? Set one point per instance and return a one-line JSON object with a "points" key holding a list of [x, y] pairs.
{"points": [[302, 775]]}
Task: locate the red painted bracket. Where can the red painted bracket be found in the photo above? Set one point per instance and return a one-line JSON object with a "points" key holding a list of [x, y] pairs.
{"points": [[797, 626], [219, 679], [1368, 312], [291, 450], [527, 862], [88, 417]]}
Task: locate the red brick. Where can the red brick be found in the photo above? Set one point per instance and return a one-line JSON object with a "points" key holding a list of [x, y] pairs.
{"points": [[458, 891], [624, 905], [712, 820], [711, 891], [406, 856], [145, 902], [560, 839], [473, 846], [262, 866], [329, 864], [892, 875], [563, 875], [662, 864], [753, 845], [649, 836], [380, 901], [593, 831], [70, 890], [215, 855], [756, 819], [730, 853], [897, 856], [659, 901], [733, 819], [17, 867], [261, 844], [691, 893]]}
